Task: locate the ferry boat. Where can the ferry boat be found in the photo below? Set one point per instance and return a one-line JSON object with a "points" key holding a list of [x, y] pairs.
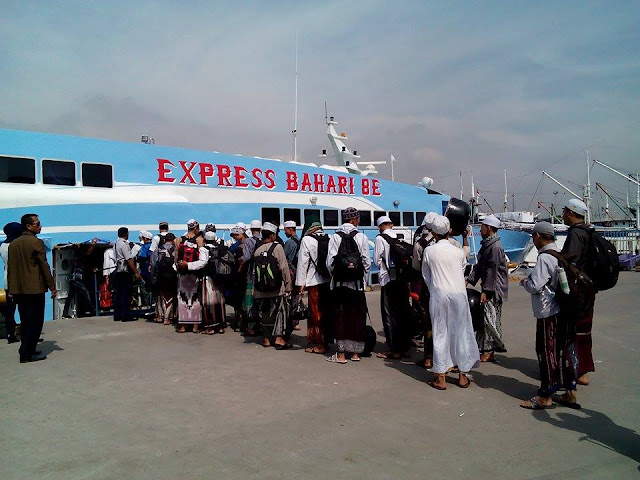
{"points": [[83, 188]]}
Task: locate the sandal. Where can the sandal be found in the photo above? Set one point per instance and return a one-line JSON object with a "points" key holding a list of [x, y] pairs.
{"points": [[334, 359], [561, 400], [433, 384], [464, 385], [286, 346], [534, 404], [389, 355]]}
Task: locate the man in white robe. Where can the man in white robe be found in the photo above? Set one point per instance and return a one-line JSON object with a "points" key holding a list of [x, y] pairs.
{"points": [[454, 342]]}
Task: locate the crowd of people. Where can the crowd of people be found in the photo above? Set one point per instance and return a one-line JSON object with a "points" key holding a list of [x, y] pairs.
{"points": [[424, 298]]}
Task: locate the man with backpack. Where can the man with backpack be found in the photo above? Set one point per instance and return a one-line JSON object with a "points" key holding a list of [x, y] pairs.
{"points": [[272, 281], [349, 262], [554, 337], [190, 257], [393, 258], [125, 266], [313, 275], [577, 250], [165, 279], [291, 247], [219, 267]]}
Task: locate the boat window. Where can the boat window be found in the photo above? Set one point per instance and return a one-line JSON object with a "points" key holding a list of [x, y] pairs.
{"points": [[407, 219], [377, 214], [58, 172], [330, 218], [445, 204], [395, 218], [272, 215], [365, 218], [17, 170], [97, 175], [419, 217], [292, 214], [311, 215]]}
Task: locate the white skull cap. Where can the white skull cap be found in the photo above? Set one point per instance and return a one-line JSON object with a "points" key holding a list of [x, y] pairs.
{"points": [[255, 224], [492, 221], [428, 218], [289, 224], [577, 206], [440, 225], [269, 227]]}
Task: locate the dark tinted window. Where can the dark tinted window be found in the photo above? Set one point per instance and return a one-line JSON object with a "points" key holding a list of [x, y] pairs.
{"points": [[330, 218], [365, 218], [311, 215], [395, 218], [17, 170], [97, 175], [271, 215], [445, 204], [419, 217], [55, 172], [377, 214], [292, 214], [407, 219]]}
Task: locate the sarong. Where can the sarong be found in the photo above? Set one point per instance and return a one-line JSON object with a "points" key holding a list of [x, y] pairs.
{"points": [[396, 317], [351, 319], [273, 315], [584, 342], [556, 356], [189, 306], [166, 304], [213, 308], [319, 315], [490, 338]]}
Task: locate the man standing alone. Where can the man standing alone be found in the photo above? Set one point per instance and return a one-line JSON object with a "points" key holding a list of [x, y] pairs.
{"points": [[29, 277]]}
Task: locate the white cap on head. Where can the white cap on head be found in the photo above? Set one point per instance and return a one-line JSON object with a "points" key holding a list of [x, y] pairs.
{"points": [[383, 219], [238, 228], [146, 234], [428, 218], [212, 235], [256, 224], [492, 221], [269, 227], [289, 224], [545, 228], [192, 224], [440, 225], [577, 206]]}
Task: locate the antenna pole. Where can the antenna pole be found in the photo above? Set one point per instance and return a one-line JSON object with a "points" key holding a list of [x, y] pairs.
{"points": [[587, 191], [295, 113], [461, 187]]}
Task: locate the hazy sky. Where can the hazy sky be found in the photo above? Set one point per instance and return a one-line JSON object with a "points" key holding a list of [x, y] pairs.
{"points": [[445, 87]]}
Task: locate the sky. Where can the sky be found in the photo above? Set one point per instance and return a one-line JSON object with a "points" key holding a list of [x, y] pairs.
{"points": [[445, 87]]}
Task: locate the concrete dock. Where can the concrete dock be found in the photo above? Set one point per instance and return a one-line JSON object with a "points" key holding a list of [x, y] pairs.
{"points": [[138, 401]]}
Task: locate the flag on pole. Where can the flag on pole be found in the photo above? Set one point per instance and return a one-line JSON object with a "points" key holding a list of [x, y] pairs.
{"points": [[393, 159]]}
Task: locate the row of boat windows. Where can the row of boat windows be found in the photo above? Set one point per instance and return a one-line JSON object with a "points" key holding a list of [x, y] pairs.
{"points": [[55, 172], [335, 218]]}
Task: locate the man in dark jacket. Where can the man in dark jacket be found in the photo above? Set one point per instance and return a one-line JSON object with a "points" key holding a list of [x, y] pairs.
{"points": [[29, 277], [577, 250], [491, 270]]}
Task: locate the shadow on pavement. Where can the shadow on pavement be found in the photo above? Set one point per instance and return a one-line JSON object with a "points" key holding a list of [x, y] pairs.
{"points": [[598, 429], [526, 366], [508, 385], [48, 346]]}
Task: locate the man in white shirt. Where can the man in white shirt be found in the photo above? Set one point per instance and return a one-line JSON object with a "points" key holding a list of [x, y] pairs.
{"points": [[312, 275], [394, 294], [155, 242], [349, 262], [454, 342], [122, 284]]}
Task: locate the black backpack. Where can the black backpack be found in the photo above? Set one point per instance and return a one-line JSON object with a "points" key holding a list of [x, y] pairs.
{"points": [[323, 252], [581, 289], [347, 264], [603, 264], [267, 274], [400, 254], [222, 263], [163, 271]]}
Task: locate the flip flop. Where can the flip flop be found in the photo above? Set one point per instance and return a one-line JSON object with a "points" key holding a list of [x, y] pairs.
{"points": [[466, 385], [559, 399], [535, 405], [432, 384], [354, 359], [388, 356], [334, 359], [286, 346]]}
